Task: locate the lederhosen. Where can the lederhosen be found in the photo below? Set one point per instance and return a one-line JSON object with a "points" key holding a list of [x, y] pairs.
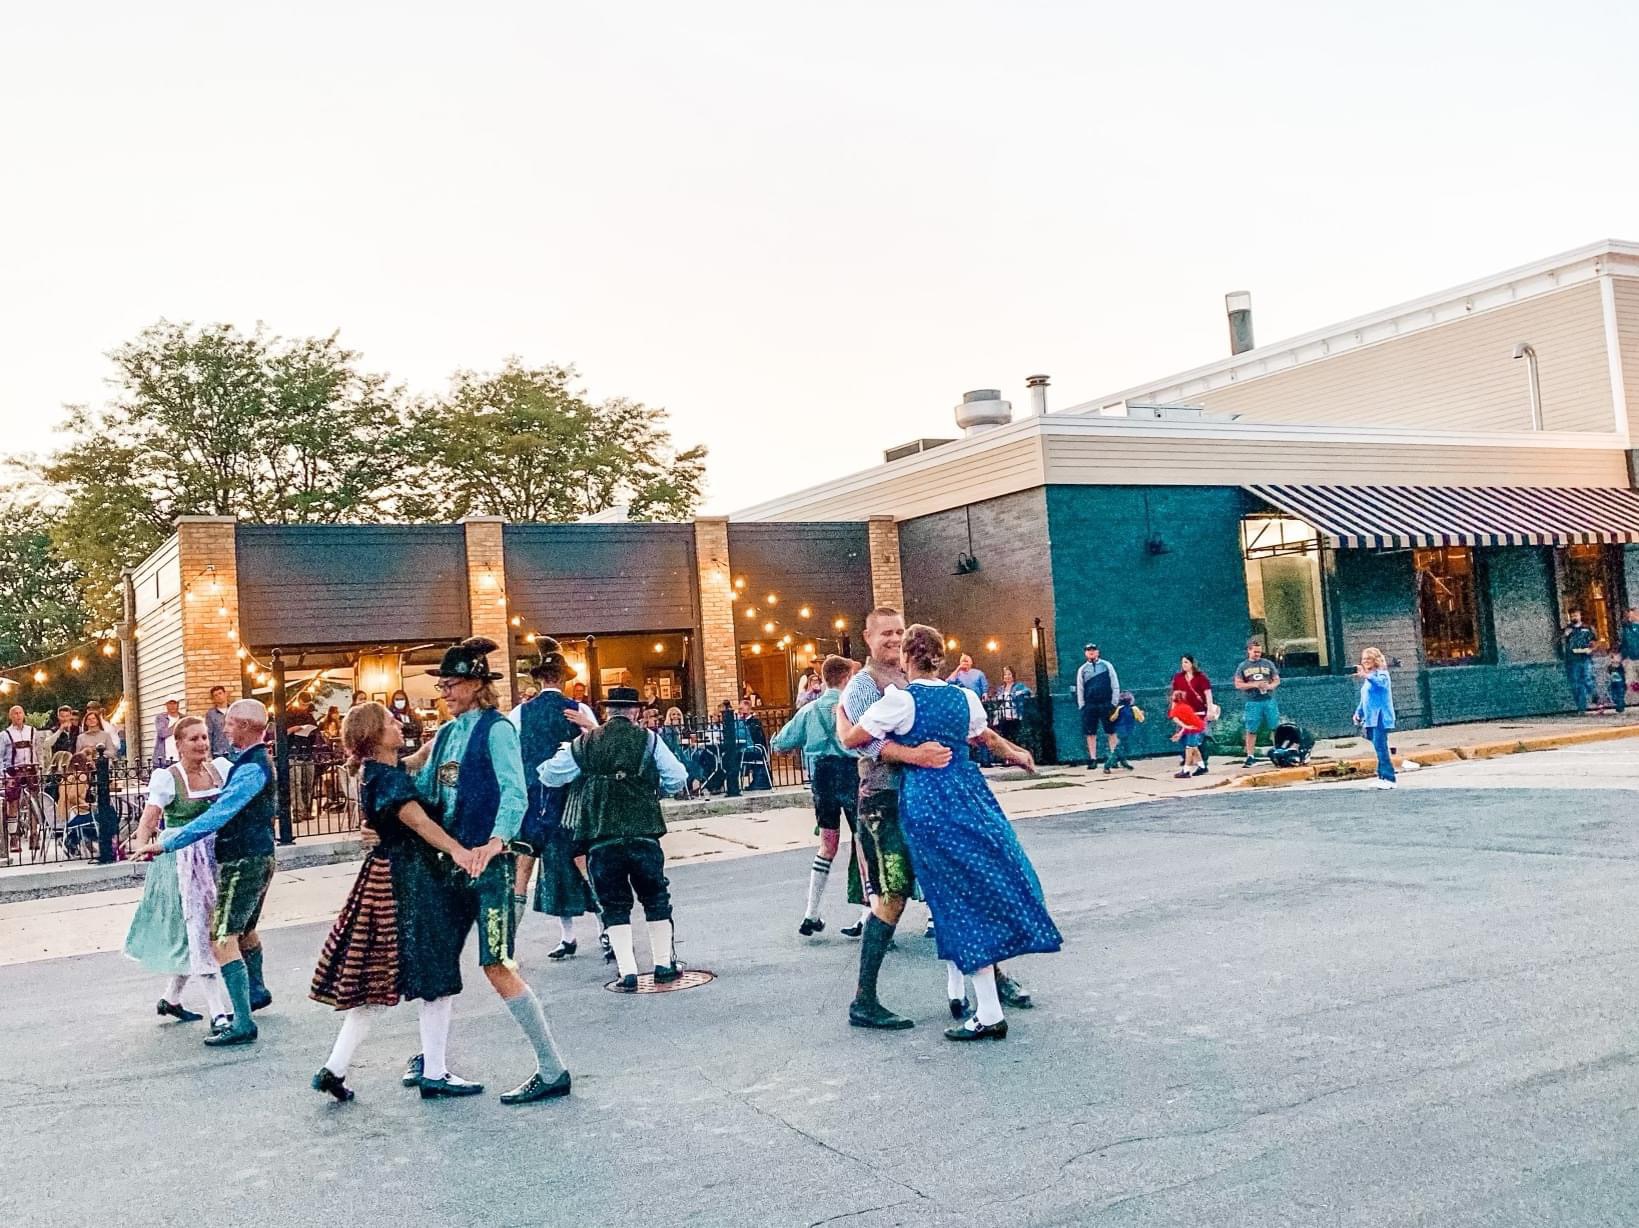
{"points": [[560, 889], [20, 774], [244, 853], [884, 857], [616, 811], [485, 901]]}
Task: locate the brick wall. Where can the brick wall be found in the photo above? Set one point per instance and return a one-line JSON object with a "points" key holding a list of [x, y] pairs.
{"points": [[207, 553], [887, 580], [488, 610], [719, 657]]}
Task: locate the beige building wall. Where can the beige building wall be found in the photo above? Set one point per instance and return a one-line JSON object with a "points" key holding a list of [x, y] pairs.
{"points": [[160, 675], [1625, 292], [1457, 376]]}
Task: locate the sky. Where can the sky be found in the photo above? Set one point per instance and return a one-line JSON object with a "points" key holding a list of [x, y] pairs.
{"points": [[804, 230]]}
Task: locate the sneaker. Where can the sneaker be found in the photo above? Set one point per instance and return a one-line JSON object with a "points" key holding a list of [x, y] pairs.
{"points": [[1250, 761], [1384, 784], [811, 926]]}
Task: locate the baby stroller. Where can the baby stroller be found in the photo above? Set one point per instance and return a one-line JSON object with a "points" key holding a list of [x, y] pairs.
{"points": [[1290, 746]]}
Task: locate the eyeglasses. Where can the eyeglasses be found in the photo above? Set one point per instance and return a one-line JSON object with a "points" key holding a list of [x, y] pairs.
{"points": [[446, 685]]}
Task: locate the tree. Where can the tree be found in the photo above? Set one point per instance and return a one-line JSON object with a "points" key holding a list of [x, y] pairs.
{"points": [[209, 421], [522, 443]]}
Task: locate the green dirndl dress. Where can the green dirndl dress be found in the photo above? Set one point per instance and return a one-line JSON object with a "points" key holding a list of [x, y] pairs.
{"points": [[158, 937]]}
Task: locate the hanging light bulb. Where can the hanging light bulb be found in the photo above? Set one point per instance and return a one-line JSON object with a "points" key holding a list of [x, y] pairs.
{"points": [[240, 653], [39, 677], [841, 624], [806, 612], [951, 642], [772, 599], [107, 650], [659, 647], [530, 638], [991, 646], [222, 611], [77, 663], [517, 620], [740, 582], [233, 633], [751, 611], [769, 627], [808, 649], [757, 650]]}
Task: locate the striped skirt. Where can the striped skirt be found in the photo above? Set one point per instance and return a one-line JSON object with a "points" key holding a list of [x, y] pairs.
{"points": [[360, 961]]}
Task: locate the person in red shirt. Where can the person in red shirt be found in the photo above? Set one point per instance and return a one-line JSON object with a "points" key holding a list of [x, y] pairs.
{"points": [[1197, 689], [1191, 732]]}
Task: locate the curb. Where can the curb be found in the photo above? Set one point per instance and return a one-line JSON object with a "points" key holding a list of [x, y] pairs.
{"points": [[41, 884], [1353, 769]]}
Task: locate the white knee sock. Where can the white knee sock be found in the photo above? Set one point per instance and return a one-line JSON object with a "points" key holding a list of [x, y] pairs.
{"points": [[955, 983], [355, 1026], [566, 928], [173, 990], [620, 939], [989, 1008], [660, 943], [435, 1035], [816, 885], [216, 996]]}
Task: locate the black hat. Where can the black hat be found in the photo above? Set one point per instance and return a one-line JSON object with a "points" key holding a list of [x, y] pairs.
{"points": [[1089, 648], [548, 657], [622, 697], [468, 659]]}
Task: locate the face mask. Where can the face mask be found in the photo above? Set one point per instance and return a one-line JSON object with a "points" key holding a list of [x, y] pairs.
{"points": [[400, 703]]}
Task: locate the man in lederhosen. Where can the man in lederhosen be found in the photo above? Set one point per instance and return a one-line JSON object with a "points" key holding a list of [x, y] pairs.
{"points": [[543, 726]]}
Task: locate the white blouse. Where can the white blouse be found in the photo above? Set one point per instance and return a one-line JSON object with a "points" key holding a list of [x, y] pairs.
{"points": [[162, 787], [895, 712]]}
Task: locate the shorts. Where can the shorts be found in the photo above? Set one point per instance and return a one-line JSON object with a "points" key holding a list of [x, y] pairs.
{"points": [[884, 857], [1096, 720], [624, 870], [241, 889], [486, 901], [20, 777], [1193, 739], [835, 787], [1260, 715]]}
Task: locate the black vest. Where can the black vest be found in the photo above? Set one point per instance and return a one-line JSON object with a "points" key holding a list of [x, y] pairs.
{"points": [[250, 832]]}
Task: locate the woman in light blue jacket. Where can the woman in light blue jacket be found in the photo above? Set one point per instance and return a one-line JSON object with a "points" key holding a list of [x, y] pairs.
{"points": [[1375, 713]]}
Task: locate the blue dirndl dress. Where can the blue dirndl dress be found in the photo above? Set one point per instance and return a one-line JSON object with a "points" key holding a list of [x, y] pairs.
{"points": [[984, 894]]}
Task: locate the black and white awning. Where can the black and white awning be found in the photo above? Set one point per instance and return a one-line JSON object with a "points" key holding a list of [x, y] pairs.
{"points": [[1401, 516]]}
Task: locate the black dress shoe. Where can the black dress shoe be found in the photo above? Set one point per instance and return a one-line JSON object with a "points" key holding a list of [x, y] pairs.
{"points": [[810, 926], [232, 1035], [413, 1070], [958, 1008], [260, 999], [175, 1010], [334, 1085], [1012, 993], [450, 1085], [875, 1015], [974, 1030], [665, 974], [628, 983], [852, 931], [562, 951], [536, 1088]]}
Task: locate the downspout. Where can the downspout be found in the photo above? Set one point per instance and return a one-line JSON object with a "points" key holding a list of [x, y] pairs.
{"points": [[127, 632], [1528, 352]]}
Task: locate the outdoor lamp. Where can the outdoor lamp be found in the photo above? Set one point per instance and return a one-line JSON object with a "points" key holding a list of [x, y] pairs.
{"points": [[991, 645]]}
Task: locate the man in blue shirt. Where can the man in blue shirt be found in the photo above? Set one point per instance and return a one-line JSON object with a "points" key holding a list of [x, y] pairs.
{"points": [[1579, 641], [967, 675], [833, 778]]}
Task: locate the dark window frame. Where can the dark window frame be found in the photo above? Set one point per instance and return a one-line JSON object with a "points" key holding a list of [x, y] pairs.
{"points": [[1480, 579], [1614, 559], [1325, 590]]}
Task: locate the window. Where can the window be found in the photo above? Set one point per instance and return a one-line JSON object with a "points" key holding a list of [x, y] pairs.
{"points": [[1590, 580], [1448, 604], [1285, 596]]}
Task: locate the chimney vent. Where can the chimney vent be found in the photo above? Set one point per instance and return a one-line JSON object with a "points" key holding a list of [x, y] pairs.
{"points": [[1238, 303], [981, 410], [1037, 384]]}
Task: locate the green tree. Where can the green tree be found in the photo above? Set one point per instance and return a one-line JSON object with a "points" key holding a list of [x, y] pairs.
{"points": [[523, 443], [211, 421]]}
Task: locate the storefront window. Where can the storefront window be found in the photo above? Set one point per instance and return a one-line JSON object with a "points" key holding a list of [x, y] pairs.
{"points": [[1286, 598], [1448, 604], [1590, 580]]}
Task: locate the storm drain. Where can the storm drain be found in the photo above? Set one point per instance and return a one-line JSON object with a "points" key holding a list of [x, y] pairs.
{"points": [[692, 978]]}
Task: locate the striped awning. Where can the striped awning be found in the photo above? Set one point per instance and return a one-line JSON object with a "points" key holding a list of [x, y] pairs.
{"points": [[1390, 516]]}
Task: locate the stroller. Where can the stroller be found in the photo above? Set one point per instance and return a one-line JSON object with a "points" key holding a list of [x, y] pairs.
{"points": [[1290, 746]]}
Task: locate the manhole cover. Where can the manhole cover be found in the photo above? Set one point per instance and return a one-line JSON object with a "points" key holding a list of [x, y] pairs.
{"points": [[691, 978]]}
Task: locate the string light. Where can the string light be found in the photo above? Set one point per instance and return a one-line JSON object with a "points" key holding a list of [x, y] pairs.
{"points": [[769, 627], [517, 620], [772, 599], [951, 643], [841, 624], [805, 612], [659, 647], [107, 650], [77, 663], [808, 649], [240, 653], [757, 650], [530, 638], [992, 646], [739, 582], [751, 611], [40, 677]]}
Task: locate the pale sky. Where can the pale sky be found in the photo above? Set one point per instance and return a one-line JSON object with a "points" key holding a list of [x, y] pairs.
{"points": [[804, 230]]}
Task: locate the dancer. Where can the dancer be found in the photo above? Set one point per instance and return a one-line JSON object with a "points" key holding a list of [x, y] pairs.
{"points": [[474, 775], [397, 936], [624, 769], [884, 858], [978, 881], [562, 890], [833, 779], [241, 819], [171, 931]]}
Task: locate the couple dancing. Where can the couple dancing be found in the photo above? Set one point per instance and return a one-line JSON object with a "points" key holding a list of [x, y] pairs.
{"points": [[936, 824]]}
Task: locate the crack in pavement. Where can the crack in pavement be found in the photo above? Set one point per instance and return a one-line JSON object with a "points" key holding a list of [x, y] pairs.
{"points": [[887, 1206]]}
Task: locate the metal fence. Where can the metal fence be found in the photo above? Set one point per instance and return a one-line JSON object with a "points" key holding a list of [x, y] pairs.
{"points": [[71, 809]]}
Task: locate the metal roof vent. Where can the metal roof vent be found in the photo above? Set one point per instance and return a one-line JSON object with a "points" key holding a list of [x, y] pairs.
{"points": [[982, 409]]}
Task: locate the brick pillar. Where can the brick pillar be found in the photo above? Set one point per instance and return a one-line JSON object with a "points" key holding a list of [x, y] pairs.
{"points": [[719, 652], [208, 558], [887, 583], [488, 611]]}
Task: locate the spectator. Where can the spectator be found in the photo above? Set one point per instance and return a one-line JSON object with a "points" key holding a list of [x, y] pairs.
{"points": [[408, 722], [578, 693], [751, 697], [1009, 700], [755, 735], [1197, 689], [1190, 732], [1579, 641], [94, 734], [1617, 680], [967, 675], [1375, 712], [216, 722], [21, 749], [330, 726], [301, 735], [809, 687], [1256, 678], [1628, 646], [1097, 687], [65, 732], [165, 733]]}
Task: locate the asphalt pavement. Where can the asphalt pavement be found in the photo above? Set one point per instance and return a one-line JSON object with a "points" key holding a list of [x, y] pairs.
{"points": [[1327, 1006]]}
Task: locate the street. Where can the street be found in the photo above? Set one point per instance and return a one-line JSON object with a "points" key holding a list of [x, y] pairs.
{"points": [[1314, 1006]]}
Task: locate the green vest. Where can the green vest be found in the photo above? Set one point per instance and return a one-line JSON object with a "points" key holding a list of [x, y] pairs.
{"points": [[183, 809], [619, 786]]}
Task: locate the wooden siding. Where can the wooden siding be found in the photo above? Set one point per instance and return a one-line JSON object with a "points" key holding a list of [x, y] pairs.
{"points": [[599, 579], [1114, 460], [351, 584], [826, 567], [160, 673], [1626, 292], [1459, 376]]}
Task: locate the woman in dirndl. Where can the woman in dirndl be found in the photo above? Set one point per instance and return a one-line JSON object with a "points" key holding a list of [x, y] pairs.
{"points": [[398, 936], [980, 886], [170, 933]]}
